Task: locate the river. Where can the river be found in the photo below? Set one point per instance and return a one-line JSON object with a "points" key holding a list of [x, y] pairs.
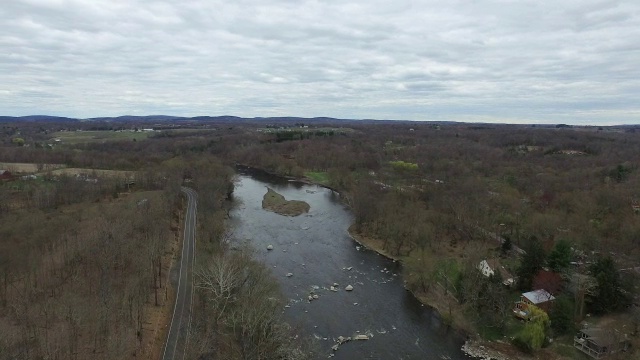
{"points": [[317, 249]]}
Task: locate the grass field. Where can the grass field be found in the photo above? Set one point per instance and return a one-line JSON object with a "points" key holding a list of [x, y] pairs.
{"points": [[60, 169], [187, 130], [98, 172], [28, 167], [321, 177], [77, 137], [335, 130]]}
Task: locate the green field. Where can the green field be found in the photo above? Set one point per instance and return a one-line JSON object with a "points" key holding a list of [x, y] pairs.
{"points": [[318, 176], [29, 167], [77, 137], [335, 130]]}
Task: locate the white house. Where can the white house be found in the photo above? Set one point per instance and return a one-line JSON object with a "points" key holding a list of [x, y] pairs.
{"points": [[485, 268], [489, 268]]}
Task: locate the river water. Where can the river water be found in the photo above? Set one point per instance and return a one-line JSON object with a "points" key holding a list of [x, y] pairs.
{"points": [[317, 249]]}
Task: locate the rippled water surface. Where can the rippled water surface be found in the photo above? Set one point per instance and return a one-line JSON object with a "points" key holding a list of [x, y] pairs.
{"points": [[317, 250]]}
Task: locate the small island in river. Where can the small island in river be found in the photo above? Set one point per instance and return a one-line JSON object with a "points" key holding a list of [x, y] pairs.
{"points": [[275, 202]]}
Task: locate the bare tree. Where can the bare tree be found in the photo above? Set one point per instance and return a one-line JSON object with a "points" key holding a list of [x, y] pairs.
{"points": [[582, 285], [244, 300]]}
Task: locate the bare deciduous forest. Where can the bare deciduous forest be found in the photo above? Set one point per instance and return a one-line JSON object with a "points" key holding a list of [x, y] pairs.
{"points": [[84, 256]]}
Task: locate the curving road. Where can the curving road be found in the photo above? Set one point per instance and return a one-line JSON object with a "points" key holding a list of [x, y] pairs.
{"points": [[174, 348]]}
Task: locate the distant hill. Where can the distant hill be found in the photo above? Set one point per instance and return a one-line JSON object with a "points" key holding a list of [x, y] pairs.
{"points": [[162, 118], [287, 120], [130, 118], [36, 118], [216, 118]]}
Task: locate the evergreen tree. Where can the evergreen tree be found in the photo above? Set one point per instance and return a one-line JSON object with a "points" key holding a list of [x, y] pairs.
{"points": [[531, 263], [506, 245], [608, 296], [560, 257], [562, 315]]}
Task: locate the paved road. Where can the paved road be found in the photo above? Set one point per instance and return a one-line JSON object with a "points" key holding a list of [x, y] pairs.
{"points": [[176, 339]]}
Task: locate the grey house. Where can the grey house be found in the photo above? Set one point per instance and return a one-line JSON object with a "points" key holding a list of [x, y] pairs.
{"points": [[599, 343]]}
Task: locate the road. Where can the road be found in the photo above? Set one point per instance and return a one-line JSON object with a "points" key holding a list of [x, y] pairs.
{"points": [[500, 239], [174, 348]]}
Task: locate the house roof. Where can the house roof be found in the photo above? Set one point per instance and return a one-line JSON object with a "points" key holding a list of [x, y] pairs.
{"points": [[601, 337], [538, 296], [495, 265]]}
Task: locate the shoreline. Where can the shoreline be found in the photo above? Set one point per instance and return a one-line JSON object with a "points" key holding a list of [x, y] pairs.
{"points": [[303, 180], [474, 346], [370, 245]]}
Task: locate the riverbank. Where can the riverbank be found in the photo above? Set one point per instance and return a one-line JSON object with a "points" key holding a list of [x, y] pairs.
{"points": [[447, 307], [317, 252], [370, 243], [502, 350], [303, 180], [434, 298], [430, 294], [453, 313]]}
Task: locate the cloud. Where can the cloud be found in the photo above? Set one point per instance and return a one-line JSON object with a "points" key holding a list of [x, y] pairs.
{"points": [[519, 61]]}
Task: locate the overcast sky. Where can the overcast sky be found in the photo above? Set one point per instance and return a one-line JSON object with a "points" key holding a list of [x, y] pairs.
{"points": [[518, 61]]}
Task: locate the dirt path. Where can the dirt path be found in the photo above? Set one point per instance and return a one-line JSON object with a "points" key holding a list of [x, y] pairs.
{"points": [[155, 323]]}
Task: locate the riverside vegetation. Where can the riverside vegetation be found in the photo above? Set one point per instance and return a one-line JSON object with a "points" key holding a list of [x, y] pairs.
{"points": [[85, 255], [439, 197], [442, 198]]}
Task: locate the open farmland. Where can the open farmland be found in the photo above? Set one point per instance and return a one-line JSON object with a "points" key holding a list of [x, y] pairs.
{"points": [[28, 167], [97, 172], [77, 137]]}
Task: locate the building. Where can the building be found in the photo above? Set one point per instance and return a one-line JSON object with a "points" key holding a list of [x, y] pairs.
{"points": [[539, 298], [492, 267], [598, 343]]}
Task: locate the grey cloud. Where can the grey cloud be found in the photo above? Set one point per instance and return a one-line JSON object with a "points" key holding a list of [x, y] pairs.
{"points": [[517, 61], [37, 94]]}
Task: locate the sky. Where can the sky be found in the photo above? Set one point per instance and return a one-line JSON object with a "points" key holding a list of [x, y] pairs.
{"points": [[509, 61]]}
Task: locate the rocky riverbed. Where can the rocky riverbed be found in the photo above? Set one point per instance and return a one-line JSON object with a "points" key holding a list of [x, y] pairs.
{"points": [[479, 351], [316, 263]]}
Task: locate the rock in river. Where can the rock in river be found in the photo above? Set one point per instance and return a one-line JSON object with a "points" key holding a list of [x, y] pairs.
{"points": [[275, 202]]}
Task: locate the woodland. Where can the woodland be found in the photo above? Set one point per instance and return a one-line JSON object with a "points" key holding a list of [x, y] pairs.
{"points": [[85, 254]]}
